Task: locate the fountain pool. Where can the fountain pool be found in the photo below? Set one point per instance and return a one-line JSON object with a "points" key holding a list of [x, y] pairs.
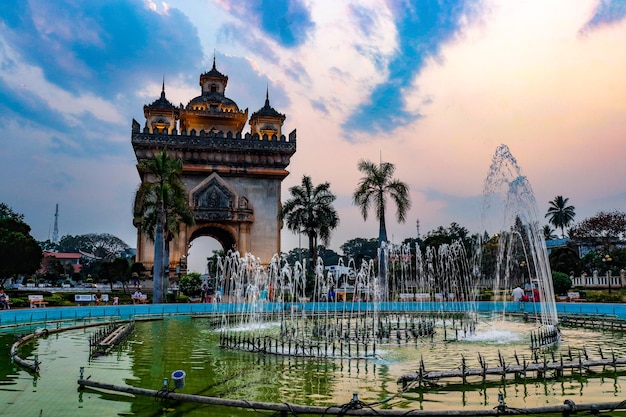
{"points": [[159, 347]]}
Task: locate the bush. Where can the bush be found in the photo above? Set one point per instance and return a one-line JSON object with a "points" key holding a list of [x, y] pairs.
{"points": [[602, 297], [561, 283], [485, 295], [190, 284]]}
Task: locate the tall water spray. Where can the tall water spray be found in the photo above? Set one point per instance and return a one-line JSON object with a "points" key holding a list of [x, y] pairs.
{"points": [[509, 200]]}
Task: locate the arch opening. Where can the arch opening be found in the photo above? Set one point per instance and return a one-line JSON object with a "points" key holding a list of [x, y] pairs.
{"points": [[202, 244]]}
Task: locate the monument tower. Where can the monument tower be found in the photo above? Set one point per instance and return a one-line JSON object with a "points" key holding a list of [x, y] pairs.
{"points": [[232, 179]]}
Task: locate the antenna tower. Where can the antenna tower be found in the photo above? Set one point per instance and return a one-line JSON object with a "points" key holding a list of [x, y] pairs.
{"points": [[55, 233]]}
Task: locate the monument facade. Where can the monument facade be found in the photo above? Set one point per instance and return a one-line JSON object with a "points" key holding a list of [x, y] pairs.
{"points": [[232, 179]]}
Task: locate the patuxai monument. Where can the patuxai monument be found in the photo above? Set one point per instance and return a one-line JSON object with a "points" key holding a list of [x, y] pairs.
{"points": [[232, 178]]}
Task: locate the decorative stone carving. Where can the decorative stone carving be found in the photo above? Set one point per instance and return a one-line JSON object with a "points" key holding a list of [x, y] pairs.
{"points": [[213, 196]]}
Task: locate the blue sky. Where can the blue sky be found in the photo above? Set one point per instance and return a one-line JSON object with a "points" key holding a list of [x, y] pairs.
{"points": [[431, 86]]}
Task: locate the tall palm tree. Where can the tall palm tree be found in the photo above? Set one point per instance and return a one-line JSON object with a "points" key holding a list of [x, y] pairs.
{"points": [[560, 214], [160, 204], [375, 186], [177, 212], [373, 189], [310, 211]]}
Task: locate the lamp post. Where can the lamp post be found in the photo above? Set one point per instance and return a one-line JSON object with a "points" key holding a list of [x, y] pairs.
{"points": [[607, 258], [523, 266]]}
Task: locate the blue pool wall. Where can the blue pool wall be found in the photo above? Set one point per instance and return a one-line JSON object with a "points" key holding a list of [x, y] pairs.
{"points": [[19, 317]]}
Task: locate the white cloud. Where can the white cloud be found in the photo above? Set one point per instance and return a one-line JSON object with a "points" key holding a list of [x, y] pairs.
{"points": [[29, 82]]}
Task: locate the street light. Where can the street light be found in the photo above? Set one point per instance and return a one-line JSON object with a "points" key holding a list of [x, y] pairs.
{"points": [[607, 258]]}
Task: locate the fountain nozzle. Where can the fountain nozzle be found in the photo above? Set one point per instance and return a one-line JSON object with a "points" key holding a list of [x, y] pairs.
{"points": [[501, 403]]}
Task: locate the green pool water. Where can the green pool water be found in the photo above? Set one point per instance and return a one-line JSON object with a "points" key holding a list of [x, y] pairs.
{"points": [[157, 348]]}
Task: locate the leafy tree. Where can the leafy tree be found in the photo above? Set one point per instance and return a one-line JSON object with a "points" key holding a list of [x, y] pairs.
{"points": [[103, 245], [329, 256], [360, 249], [19, 251], [565, 260], [161, 177], [442, 235], [548, 233], [52, 269], [560, 215], [604, 227], [310, 211], [561, 283], [6, 211], [373, 189], [191, 284], [48, 245], [71, 244], [115, 270], [297, 255]]}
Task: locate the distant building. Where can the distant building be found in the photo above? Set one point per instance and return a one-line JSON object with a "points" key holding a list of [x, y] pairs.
{"points": [[582, 246], [72, 259]]}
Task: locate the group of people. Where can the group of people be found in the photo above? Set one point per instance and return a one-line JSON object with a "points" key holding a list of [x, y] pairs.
{"points": [[529, 293]]}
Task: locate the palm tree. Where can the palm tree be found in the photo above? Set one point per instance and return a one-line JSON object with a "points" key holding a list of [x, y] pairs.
{"points": [[560, 214], [310, 211], [159, 196], [548, 232], [177, 212], [376, 184]]}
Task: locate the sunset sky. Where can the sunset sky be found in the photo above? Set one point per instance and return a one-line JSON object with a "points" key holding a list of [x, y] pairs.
{"points": [[432, 86]]}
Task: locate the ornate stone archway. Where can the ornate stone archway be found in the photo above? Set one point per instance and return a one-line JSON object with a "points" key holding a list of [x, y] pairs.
{"points": [[233, 180]]}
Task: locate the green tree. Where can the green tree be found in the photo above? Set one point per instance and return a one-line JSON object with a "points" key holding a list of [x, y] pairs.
{"points": [[120, 271], [565, 260], [548, 233], [559, 214], [373, 189], [6, 211], [360, 250], [177, 212], [561, 283], [310, 211], [191, 284], [442, 235], [161, 184], [296, 255], [19, 251], [52, 269]]}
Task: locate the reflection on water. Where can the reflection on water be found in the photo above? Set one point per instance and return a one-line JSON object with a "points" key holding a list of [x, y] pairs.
{"points": [[158, 348]]}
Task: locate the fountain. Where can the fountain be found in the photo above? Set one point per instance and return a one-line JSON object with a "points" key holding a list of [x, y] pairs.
{"points": [[423, 342], [441, 286]]}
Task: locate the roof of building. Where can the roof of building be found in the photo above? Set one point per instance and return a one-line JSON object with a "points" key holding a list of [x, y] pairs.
{"points": [[161, 103], [63, 255], [557, 243], [267, 109]]}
